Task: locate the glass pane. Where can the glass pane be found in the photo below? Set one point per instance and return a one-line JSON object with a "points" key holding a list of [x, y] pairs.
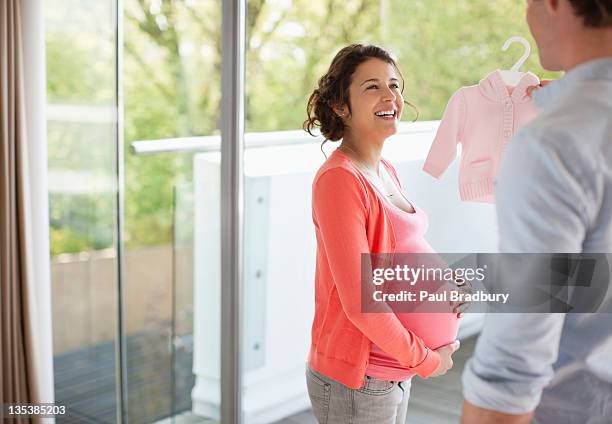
{"points": [[82, 137], [288, 49], [172, 89], [440, 47], [182, 316]]}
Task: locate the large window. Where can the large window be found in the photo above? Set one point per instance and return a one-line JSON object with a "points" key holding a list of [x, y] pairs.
{"points": [[172, 89], [173, 59]]}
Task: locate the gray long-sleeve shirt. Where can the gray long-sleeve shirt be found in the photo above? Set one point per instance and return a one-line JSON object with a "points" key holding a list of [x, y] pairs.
{"points": [[554, 194]]}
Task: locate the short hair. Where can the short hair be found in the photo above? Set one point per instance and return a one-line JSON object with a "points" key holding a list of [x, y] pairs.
{"points": [[594, 13]]}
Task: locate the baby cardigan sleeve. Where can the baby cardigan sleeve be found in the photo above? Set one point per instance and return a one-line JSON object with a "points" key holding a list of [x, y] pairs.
{"points": [[340, 214], [450, 132]]}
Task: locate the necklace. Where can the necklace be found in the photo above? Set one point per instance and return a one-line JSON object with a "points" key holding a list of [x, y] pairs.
{"points": [[364, 168]]}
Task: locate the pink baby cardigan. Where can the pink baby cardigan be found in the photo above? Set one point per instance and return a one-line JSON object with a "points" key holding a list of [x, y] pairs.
{"points": [[483, 118]]}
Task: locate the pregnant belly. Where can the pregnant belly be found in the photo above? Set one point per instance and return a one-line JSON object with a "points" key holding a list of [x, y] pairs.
{"points": [[436, 329]]}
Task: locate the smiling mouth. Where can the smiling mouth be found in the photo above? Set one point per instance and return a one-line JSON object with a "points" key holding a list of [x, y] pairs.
{"points": [[389, 115]]}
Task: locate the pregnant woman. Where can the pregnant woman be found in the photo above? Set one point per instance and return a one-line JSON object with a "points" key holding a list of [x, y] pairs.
{"points": [[360, 364]]}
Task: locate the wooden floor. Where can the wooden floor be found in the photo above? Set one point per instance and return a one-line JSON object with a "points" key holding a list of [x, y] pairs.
{"points": [[435, 401], [158, 383], [438, 400]]}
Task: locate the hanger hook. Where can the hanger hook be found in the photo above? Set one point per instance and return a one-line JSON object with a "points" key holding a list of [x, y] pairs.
{"points": [[526, 53]]}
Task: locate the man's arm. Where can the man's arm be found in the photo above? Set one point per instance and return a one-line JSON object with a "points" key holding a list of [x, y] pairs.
{"points": [[475, 414], [512, 364], [540, 205]]}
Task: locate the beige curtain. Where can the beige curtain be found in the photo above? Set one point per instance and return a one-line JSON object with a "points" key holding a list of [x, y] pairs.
{"points": [[18, 369]]}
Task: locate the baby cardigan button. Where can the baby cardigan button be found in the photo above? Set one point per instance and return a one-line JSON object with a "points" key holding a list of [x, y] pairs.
{"points": [[507, 133]]}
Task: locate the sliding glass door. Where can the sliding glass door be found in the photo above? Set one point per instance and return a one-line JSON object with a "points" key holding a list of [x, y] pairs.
{"points": [[172, 87], [81, 52]]}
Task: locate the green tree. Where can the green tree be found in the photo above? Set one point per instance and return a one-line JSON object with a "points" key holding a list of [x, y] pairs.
{"points": [[173, 73]]}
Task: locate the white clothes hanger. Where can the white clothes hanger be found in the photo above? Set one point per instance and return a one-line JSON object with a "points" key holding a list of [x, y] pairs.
{"points": [[513, 76]]}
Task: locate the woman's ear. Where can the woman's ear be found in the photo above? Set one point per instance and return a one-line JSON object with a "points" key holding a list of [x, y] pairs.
{"points": [[341, 111]]}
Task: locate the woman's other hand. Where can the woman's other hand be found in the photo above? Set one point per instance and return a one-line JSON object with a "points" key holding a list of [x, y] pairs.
{"points": [[464, 288], [446, 360]]}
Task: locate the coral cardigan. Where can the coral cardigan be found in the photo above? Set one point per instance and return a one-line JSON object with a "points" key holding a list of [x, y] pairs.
{"points": [[349, 220], [483, 118]]}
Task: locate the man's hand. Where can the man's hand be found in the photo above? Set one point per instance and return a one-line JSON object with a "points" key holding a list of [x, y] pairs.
{"points": [[532, 88], [473, 414], [446, 360]]}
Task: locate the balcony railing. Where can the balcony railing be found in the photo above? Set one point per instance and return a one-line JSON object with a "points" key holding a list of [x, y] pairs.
{"points": [[253, 140]]}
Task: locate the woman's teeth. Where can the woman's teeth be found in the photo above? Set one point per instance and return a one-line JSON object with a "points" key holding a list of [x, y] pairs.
{"points": [[388, 114]]}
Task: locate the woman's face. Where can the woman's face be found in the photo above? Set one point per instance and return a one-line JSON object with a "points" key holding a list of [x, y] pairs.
{"points": [[376, 100]]}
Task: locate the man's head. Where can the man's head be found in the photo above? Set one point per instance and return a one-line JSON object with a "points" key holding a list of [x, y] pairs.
{"points": [[569, 32]]}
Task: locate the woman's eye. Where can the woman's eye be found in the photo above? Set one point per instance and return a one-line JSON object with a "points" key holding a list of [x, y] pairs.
{"points": [[372, 86], [395, 86]]}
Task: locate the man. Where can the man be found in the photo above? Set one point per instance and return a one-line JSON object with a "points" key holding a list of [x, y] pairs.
{"points": [[554, 194]]}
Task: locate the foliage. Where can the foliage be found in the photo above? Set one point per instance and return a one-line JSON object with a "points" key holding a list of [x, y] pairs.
{"points": [[172, 79]]}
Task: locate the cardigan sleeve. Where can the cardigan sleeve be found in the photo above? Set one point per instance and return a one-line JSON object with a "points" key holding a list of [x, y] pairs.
{"points": [[340, 214], [450, 132]]}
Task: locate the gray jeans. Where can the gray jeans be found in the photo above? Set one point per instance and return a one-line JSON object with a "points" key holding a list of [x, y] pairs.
{"points": [[377, 402]]}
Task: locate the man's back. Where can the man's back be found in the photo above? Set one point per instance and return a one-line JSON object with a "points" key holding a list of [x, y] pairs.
{"points": [[554, 194]]}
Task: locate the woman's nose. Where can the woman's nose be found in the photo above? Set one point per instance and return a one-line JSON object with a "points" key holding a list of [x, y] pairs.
{"points": [[388, 95]]}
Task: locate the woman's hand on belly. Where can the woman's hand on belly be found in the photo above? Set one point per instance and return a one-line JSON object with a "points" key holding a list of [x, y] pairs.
{"points": [[446, 358]]}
